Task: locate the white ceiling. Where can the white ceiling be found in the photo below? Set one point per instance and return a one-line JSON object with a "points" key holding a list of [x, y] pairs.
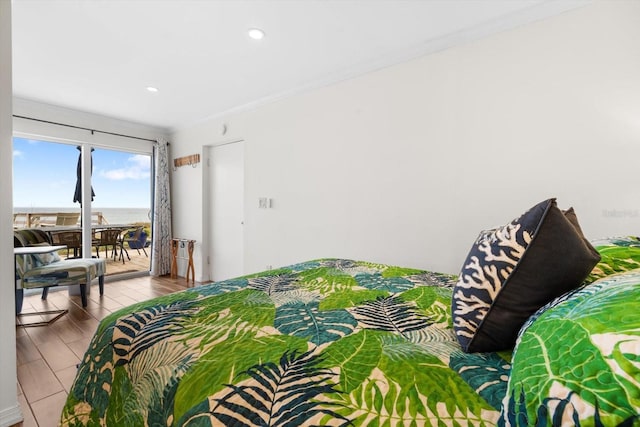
{"points": [[99, 55]]}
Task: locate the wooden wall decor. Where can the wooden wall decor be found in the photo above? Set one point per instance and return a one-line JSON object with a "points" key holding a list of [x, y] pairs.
{"points": [[191, 160]]}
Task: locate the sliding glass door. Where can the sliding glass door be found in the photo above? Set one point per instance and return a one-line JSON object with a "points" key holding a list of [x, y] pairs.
{"points": [[122, 184], [45, 179]]}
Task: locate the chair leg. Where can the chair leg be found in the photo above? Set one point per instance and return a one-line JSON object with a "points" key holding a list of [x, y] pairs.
{"points": [[45, 293], [101, 284], [124, 250], [19, 300], [83, 294]]}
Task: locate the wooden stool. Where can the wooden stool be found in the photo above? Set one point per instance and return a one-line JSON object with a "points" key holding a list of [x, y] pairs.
{"points": [[175, 246], [174, 258], [190, 268]]}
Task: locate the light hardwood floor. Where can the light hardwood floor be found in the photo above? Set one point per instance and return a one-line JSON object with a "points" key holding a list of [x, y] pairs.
{"points": [[47, 356]]}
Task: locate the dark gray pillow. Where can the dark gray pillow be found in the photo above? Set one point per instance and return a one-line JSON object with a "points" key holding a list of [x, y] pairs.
{"points": [[514, 270]]}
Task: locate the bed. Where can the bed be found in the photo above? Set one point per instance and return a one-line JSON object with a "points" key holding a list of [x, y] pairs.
{"points": [[346, 342]]}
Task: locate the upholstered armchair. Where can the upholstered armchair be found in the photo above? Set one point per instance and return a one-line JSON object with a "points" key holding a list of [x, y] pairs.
{"points": [[47, 270]]}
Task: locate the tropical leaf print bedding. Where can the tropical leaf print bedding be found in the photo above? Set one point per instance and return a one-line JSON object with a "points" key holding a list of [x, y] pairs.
{"points": [[618, 254], [326, 342], [577, 360]]}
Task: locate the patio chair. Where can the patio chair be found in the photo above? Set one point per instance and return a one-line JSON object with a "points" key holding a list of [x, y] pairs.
{"points": [[136, 239], [72, 239], [67, 218], [108, 237]]}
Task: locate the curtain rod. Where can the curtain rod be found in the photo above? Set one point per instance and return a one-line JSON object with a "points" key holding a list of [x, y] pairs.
{"points": [[83, 128]]}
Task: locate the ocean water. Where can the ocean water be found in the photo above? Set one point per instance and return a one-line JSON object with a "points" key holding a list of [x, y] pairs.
{"points": [[112, 215]]}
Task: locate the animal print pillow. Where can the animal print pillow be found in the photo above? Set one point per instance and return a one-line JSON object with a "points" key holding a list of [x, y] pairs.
{"points": [[514, 270]]}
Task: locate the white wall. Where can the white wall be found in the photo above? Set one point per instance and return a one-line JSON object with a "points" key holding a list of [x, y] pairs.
{"points": [[9, 410], [405, 165]]}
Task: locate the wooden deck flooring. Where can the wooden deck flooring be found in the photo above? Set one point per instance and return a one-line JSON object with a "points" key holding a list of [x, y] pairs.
{"points": [[47, 356], [138, 262]]}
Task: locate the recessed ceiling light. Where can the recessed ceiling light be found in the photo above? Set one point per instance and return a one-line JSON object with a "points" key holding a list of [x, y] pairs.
{"points": [[152, 89], [256, 33]]}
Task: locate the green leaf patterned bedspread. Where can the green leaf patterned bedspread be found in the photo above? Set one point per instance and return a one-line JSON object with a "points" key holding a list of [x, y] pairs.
{"points": [[326, 342]]}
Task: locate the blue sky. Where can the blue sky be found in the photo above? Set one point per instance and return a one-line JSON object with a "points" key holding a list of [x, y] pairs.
{"points": [[44, 175]]}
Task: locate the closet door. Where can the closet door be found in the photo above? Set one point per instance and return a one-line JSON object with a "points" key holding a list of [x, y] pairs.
{"points": [[226, 210]]}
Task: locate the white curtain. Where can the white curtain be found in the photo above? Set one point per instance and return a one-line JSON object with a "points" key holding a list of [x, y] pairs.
{"points": [[161, 231]]}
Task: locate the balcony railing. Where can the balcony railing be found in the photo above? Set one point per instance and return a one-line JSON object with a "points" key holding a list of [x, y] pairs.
{"points": [[46, 219]]}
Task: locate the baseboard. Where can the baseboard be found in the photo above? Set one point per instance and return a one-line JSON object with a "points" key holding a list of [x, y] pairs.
{"points": [[11, 416]]}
